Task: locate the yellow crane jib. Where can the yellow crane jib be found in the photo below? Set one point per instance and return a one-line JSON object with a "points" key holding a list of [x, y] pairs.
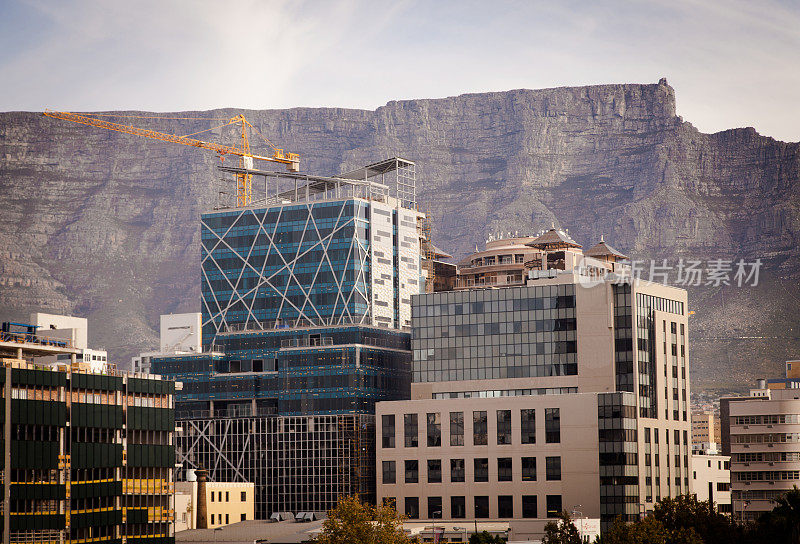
{"points": [[244, 181]]}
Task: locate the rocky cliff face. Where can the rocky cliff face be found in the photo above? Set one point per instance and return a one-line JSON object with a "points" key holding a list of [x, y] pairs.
{"points": [[104, 224]]}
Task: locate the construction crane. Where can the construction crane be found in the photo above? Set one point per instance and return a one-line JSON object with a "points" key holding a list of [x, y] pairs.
{"points": [[244, 180]]}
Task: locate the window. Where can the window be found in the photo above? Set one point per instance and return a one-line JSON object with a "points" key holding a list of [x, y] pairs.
{"points": [[243, 517], [434, 429], [504, 472], [503, 427], [553, 468], [244, 496], [434, 508], [553, 506], [457, 470], [528, 426], [529, 469], [227, 496], [412, 471], [530, 509], [389, 472], [212, 519], [481, 469], [212, 499], [458, 507], [387, 430], [411, 430], [412, 507], [552, 425], [434, 471], [505, 506], [479, 429], [481, 507], [227, 519], [456, 428]]}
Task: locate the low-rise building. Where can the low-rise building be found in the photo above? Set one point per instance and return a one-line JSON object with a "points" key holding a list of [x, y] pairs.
{"points": [[764, 434], [225, 503], [711, 480]]}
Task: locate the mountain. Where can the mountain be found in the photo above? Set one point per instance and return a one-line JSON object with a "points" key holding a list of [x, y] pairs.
{"points": [[105, 224]]}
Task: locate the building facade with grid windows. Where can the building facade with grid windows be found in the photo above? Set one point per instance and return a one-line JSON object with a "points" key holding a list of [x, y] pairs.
{"points": [[579, 332]]}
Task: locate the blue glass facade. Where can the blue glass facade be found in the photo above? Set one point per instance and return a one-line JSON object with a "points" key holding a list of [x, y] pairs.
{"points": [[336, 370], [305, 264]]}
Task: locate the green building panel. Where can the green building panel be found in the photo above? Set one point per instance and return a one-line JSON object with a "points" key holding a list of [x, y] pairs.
{"points": [[96, 455], [151, 419], [152, 387], [38, 412], [149, 455], [44, 491], [34, 454], [50, 378], [96, 382], [96, 489], [95, 519], [28, 522], [96, 416]]}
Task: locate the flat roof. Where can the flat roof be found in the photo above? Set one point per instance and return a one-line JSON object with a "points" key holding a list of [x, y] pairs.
{"points": [[246, 532]]}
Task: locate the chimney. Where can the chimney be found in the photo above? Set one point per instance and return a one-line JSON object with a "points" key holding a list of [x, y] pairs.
{"points": [[202, 505]]}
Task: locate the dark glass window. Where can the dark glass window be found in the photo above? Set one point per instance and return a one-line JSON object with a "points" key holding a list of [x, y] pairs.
{"points": [[434, 508], [504, 427], [434, 429], [530, 508], [456, 428], [479, 429], [552, 425], [434, 471], [529, 469], [458, 507], [481, 507], [528, 426], [505, 506], [411, 430], [457, 472], [553, 506], [412, 471], [389, 472], [412, 507], [504, 471], [387, 427], [553, 468], [481, 465]]}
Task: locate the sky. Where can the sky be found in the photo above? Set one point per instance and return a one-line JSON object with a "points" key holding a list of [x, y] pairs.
{"points": [[732, 63]]}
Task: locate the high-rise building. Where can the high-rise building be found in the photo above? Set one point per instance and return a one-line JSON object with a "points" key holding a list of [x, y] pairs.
{"points": [[306, 305], [762, 437], [88, 456], [570, 392]]}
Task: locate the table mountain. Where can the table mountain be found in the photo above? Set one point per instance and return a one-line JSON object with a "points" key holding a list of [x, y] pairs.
{"points": [[105, 224]]}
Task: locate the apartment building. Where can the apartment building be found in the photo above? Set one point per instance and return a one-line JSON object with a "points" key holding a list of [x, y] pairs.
{"points": [[711, 480], [580, 331]]}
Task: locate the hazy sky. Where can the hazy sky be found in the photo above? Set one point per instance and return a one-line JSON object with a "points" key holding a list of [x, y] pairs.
{"points": [[732, 63]]}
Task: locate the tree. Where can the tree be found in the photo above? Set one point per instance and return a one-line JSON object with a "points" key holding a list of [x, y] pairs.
{"points": [[353, 521], [685, 516], [782, 524], [562, 531], [485, 537], [645, 531]]}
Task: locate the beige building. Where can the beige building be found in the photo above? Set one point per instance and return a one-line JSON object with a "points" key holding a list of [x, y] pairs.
{"points": [[579, 331], [705, 431], [226, 503], [711, 480], [764, 432]]}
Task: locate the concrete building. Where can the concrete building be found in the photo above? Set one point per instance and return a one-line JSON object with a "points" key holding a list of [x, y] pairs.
{"points": [[763, 431], [87, 456], [226, 503], [581, 345], [706, 432], [711, 480], [306, 305], [65, 327], [179, 334]]}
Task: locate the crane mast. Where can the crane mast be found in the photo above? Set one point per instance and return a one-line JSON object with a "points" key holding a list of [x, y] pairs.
{"points": [[244, 181]]}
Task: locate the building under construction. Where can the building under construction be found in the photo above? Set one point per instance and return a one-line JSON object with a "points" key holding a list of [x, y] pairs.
{"points": [[306, 304], [87, 456]]}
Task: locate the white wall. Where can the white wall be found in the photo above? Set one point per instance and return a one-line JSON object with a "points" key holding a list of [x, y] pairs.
{"points": [[78, 325], [181, 332]]}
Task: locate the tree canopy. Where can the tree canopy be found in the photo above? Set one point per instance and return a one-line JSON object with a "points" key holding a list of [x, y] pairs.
{"points": [[354, 521]]}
